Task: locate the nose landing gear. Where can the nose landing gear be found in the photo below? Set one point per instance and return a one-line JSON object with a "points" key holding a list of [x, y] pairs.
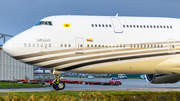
{"points": [[59, 86]]}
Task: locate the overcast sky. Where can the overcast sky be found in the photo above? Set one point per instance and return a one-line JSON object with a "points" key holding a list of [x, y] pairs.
{"points": [[19, 15]]}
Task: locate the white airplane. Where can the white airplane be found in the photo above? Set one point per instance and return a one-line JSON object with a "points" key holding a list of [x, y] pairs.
{"points": [[102, 44]]}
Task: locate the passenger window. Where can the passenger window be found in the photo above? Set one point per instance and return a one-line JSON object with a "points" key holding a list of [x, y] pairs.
{"points": [[25, 44], [147, 26], [88, 45], [124, 26], [106, 25], [99, 25], [92, 45], [131, 45], [99, 45], [134, 45], [65, 45], [69, 45], [96, 25], [137, 45], [157, 26], [124, 45], [103, 25], [140, 26], [120, 45], [160, 26], [167, 26], [95, 45], [170, 26], [109, 25], [127, 26], [134, 26], [81, 45], [45, 45], [154, 26], [41, 45], [29, 45], [37, 45], [131, 26], [49, 45], [144, 26], [137, 26], [151, 26], [102, 45], [61, 45], [92, 25], [164, 26], [33, 45]]}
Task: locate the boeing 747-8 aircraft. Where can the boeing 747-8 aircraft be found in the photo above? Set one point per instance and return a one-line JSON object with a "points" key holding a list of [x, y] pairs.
{"points": [[102, 44]]}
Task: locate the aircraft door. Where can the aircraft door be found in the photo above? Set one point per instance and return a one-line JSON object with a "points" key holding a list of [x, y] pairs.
{"points": [[171, 46], [79, 45], [116, 25]]}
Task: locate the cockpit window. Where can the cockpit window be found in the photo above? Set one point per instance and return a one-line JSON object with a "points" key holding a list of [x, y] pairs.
{"points": [[49, 22], [44, 23], [41, 23]]}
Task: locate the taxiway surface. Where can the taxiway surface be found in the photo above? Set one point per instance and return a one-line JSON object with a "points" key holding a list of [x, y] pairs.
{"points": [[127, 85]]}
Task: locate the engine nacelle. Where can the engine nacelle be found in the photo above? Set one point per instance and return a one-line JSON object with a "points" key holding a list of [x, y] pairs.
{"points": [[162, 78]]}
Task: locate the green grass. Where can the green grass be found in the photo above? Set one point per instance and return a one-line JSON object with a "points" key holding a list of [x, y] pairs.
{"points": [[91, 96], [18, 85]]}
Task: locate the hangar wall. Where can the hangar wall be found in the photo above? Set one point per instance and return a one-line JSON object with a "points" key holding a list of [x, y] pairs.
{"points": [[11, 69]]}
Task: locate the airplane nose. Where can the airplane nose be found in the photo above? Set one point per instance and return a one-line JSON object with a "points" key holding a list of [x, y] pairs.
{"points": [[8, 47]]}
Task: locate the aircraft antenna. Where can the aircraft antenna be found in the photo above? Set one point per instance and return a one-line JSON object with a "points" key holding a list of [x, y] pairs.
{"points": [[117, 15]]}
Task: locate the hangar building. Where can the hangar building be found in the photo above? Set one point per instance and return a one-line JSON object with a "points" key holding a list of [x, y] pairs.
{"points": [[11, 69]]}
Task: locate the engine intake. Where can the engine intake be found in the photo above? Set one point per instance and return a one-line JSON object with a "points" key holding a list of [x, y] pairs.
{"points": [[162, 78]]}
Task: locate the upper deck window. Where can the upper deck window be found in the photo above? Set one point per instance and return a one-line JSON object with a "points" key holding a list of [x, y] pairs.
{"points": [[44, 23]]}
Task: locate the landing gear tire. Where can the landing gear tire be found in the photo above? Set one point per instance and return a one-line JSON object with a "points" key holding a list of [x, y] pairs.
{"points": [[61, 85]]}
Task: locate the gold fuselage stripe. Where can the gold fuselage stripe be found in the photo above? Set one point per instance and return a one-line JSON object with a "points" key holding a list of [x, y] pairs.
{"points": [[86, 53], [109, 55], [112, 60]]}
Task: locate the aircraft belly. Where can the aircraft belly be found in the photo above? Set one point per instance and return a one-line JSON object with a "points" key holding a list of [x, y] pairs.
{"points": [[137, 67]]}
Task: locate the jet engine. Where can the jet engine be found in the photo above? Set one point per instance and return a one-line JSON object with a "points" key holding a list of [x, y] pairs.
{"points": [[162, 78]]}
